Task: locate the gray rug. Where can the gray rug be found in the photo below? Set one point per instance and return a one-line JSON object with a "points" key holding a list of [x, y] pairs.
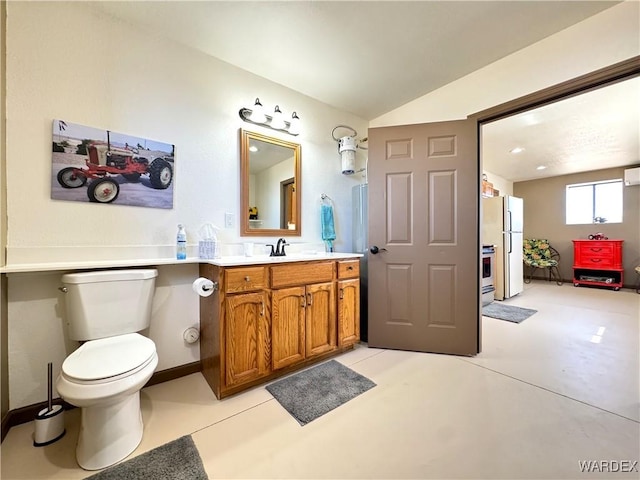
{"points": [[312, 393], [507, 312], [177, 460]]}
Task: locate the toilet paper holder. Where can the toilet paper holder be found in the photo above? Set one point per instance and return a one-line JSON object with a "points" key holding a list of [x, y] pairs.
{"points": [[204, 286], [213, 287]]}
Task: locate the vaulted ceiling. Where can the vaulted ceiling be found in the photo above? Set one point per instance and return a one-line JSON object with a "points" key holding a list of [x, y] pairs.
{"points": [[370, 57], [364, 57]]}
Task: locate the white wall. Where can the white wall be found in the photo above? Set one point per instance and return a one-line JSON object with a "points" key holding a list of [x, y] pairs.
{"points": [[67, 61], [597, 42]]}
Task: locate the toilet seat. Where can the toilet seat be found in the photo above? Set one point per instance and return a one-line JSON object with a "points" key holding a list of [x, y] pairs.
{"points": [[109, 359]]}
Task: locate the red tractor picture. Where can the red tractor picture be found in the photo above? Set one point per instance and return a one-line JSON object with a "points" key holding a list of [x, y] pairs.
{"points": [[105, 162]]}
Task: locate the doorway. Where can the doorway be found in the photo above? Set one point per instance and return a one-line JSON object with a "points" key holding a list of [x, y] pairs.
{"points": [[288, 203], [398, 281], [554, 110]]}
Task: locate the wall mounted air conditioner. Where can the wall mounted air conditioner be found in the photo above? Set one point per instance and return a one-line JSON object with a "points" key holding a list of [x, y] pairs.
{"points": [[632, 176]]}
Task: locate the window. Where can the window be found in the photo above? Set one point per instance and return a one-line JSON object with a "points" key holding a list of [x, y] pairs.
{"points": [[597, 202]]}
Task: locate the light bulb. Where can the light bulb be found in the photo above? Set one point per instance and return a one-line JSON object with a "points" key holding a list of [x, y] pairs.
{"points": [[257, 114], [294, 128], [277, 121]]}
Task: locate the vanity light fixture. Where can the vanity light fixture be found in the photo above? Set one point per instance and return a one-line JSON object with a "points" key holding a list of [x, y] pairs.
{"points": [[275, 121]]}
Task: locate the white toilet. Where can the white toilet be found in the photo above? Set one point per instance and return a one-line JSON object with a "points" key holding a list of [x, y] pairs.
{"points": [[104, 375]]}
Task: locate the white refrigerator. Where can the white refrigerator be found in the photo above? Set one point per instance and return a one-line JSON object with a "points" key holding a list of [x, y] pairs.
{"points": [[502, 223]]}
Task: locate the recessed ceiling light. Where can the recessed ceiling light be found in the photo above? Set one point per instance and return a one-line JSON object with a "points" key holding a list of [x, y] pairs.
{"points": [[540, 167], [517, 150]]}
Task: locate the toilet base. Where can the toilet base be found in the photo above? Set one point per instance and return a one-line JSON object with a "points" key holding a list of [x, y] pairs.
{"points": [[109, 432]]}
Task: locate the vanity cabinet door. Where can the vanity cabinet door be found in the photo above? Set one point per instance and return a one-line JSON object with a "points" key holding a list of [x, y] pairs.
{"points": [[320, 319], [288, 326], [348, 312], [247, 338]]}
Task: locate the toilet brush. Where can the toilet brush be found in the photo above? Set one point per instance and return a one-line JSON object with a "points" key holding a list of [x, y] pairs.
{"points": [[49, 422]]}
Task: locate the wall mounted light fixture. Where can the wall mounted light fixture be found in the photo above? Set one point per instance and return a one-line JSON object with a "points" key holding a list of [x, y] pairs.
{"points": [[276, 121]]}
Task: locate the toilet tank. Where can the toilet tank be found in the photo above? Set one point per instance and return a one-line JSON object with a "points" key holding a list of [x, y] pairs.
{"points": [[109, 302]]}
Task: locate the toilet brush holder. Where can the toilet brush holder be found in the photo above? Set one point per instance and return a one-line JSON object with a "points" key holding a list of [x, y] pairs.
{"points": [[49, 426], [49, 422]]}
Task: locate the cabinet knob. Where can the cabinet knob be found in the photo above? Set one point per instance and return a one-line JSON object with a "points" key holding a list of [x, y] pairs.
{"points": [[246, 279], [350, 267]]}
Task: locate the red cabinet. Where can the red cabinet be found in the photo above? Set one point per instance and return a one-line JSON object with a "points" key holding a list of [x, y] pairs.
{"points": [[598, 262]]}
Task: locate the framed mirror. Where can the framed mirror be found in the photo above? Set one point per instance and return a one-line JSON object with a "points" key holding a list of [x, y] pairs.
{"points": [[270, 196]]}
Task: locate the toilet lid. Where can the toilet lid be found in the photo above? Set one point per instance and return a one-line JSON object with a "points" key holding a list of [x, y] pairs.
{"points": [[108, 357]]}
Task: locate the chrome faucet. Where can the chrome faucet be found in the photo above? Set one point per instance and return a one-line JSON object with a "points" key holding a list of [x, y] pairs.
{"points": [[279, 251]]}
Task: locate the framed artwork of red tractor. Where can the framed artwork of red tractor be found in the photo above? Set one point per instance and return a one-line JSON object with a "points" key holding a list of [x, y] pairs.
{"points": [[101, 166]]}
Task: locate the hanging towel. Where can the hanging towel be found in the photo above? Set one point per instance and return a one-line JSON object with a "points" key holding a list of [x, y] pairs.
{"points": [[328, 230]]}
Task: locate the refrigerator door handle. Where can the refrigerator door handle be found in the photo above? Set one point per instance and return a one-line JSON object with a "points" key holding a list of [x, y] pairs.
{"points": [[510, 242]]}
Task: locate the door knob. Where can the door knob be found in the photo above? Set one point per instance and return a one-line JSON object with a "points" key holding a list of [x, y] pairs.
{"points": [[375, 250]]}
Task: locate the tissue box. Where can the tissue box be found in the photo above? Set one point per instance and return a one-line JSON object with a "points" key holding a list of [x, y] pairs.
{"points": [[207, 249]]}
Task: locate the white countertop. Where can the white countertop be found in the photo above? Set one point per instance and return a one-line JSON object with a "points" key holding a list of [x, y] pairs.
{"points": [[290, 257], [227, 261]]}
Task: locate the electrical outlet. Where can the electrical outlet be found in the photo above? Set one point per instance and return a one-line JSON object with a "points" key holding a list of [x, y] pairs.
{"points": [[228, 220]]}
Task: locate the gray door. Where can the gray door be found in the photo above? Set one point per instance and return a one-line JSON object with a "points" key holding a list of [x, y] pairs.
{"points": [[424, 280]]}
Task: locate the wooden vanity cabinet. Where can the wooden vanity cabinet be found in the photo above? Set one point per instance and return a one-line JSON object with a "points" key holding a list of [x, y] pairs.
{"points": [[246, 338], [348, 302], [320, 319], [235, 328], [303, 317], [287, 326], [265, 321]]}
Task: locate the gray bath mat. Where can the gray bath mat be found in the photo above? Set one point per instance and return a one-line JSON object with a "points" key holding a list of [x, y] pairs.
{"points": [[312, 393], [507, 312], [177, 460]]}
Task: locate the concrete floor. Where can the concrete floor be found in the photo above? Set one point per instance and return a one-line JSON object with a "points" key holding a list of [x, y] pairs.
{"points": [[544, 395]]}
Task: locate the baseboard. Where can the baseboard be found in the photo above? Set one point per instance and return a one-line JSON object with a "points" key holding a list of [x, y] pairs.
{"points": [[173, 373], [28, 413]]}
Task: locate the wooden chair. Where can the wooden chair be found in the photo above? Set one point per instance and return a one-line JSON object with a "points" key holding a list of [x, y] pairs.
{"points": [[537, 253]]}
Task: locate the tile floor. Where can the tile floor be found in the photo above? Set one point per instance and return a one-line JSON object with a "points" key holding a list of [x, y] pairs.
{"points": [[543, 396]]}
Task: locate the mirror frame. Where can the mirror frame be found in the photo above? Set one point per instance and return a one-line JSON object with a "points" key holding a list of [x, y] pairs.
{"points": [[245, 137]]}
